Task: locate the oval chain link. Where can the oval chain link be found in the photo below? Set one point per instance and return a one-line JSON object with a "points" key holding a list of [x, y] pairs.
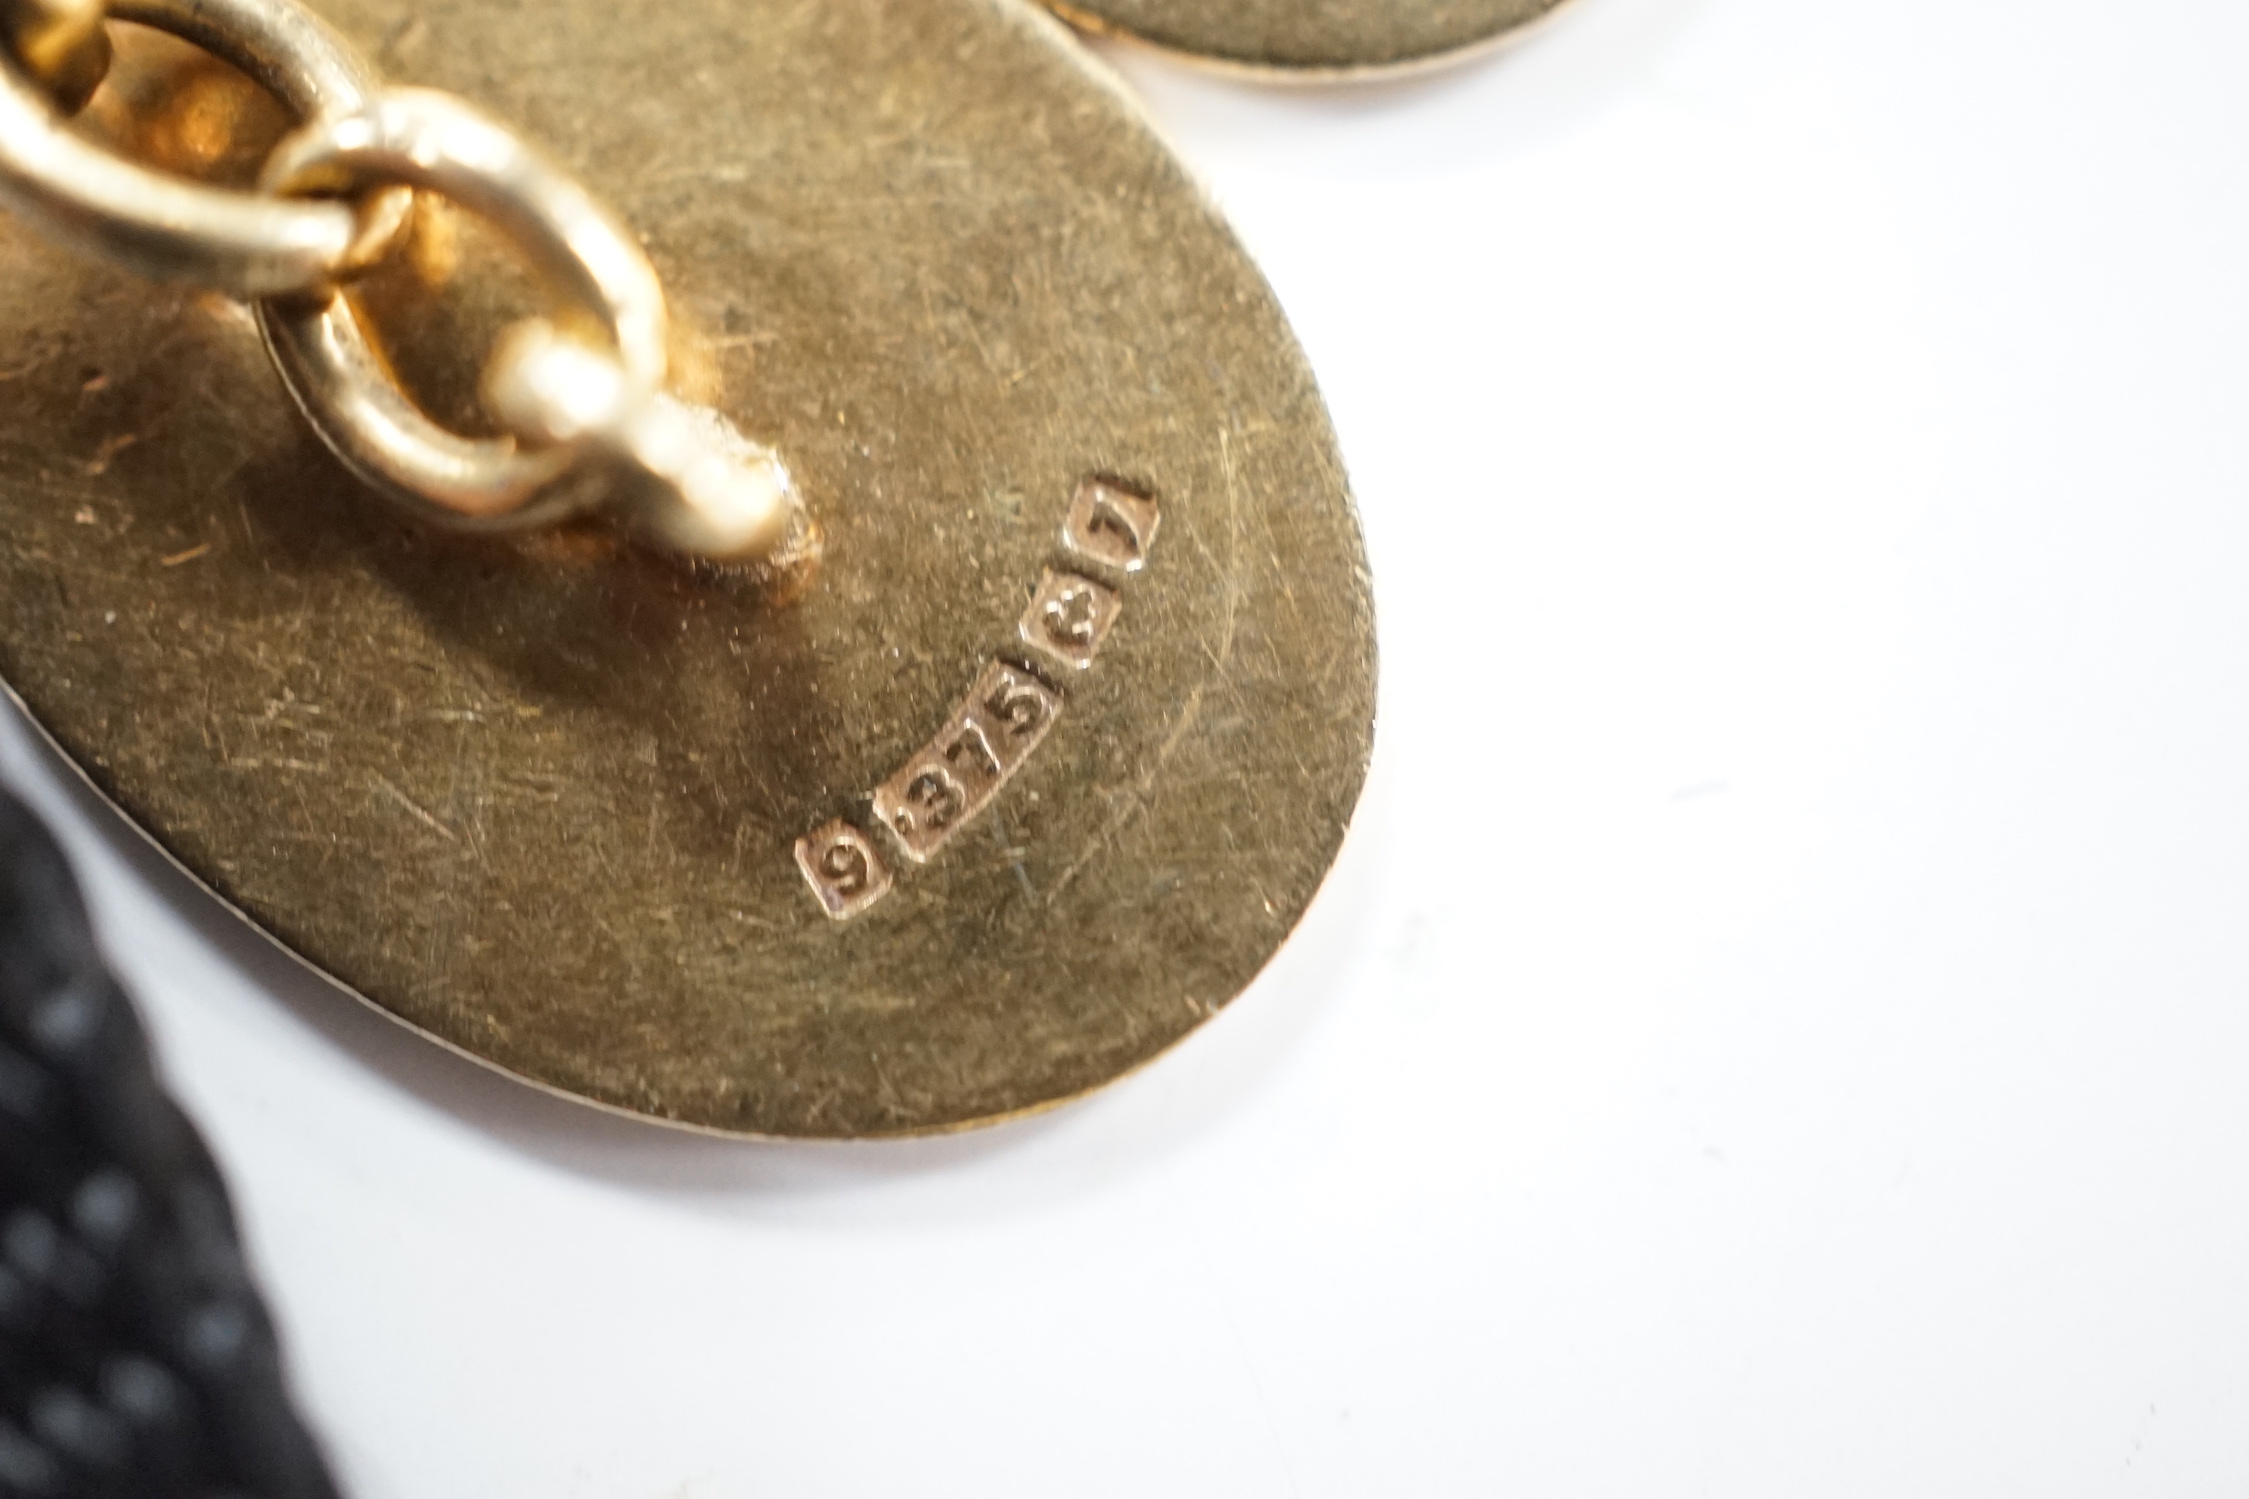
{"points": [[588, 425], [249, 245]]}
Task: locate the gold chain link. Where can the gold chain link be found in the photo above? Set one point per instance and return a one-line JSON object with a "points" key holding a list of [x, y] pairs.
{"points": [[587, 426]]}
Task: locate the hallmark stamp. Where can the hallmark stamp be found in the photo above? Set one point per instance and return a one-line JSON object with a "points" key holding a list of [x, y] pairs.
{"points": [[1069, 617], [940, 789], [1005, 715], [1017, 709], [1111, 524], [846, 873], [956, 775]]}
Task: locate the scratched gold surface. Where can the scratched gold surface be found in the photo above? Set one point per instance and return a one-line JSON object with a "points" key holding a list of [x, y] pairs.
{"points": [[1323, 36], [540, 799]]}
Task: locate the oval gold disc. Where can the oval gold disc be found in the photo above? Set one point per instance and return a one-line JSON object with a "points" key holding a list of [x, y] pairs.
{"points": [[1311, 36], [1028, 777]]}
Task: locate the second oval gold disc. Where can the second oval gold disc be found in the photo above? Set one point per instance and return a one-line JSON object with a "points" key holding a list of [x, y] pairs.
{"points": [[1312, 36], [1028, 777]]}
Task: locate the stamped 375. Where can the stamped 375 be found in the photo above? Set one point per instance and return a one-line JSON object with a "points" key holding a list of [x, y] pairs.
{"points": [[1008, 711]]}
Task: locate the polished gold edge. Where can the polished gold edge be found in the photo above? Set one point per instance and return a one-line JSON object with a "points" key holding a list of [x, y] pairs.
{"points": [[684, 1126], [1308, 77]]}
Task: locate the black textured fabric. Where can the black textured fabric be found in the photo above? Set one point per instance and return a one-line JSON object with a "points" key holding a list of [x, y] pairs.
{"points": [[136, 1359]]}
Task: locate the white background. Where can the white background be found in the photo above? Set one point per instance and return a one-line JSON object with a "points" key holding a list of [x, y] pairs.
{"points": [[1781, 1023]]}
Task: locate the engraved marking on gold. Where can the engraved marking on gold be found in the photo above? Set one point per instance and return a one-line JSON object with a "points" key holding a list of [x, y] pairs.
{"points": [[956, 775], [1070, 616], [993, 731], [1017, 709], [845, 872], [1111, 524]]}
